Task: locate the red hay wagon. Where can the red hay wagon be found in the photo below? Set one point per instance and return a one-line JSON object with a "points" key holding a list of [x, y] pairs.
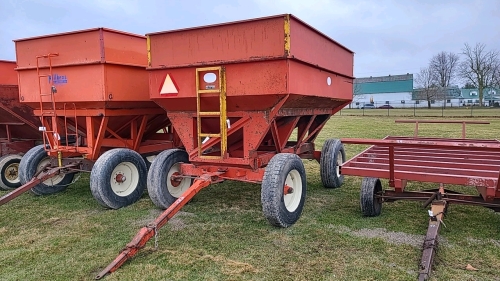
{"points": [[467, 162], [18, 127], [236, 93], [90, 90]]}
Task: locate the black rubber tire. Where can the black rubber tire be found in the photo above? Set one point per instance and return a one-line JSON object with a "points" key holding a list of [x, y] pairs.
{"points": [[103, 173], [272, 192], [28, 168], [370, 206], [160, 189], [332, 149], [9, 164]]}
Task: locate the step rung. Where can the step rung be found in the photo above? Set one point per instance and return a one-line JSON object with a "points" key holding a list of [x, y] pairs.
{"points": [[209, 113], [214, 91], [202, 135], [211, 157]]}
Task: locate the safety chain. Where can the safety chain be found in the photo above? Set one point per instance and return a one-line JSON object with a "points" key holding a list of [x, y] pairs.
{"points": [[156, 237]]}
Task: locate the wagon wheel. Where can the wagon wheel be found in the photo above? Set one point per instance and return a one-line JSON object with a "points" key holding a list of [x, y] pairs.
{"points": [[163, 186], [35, 160], [332, 157], [9, 172], [371, 206], [118, 178], [283, 189]]}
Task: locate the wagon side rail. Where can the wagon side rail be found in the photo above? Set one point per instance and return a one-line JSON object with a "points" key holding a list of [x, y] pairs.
{"points": [[464, 123], [481, 175]]}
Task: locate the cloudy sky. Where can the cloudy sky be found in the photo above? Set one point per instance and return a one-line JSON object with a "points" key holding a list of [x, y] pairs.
{"points": [[388, 36]]}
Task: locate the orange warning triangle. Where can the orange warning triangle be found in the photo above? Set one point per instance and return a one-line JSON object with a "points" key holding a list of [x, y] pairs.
{"points": [[168, 86]]}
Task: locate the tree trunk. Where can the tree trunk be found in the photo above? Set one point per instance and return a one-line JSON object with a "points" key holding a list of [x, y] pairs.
{"points": [[429, 104], [480, 95]]}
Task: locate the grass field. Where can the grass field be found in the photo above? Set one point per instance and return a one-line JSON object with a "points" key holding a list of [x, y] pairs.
{"points": [[456, 112], [222, 234]]}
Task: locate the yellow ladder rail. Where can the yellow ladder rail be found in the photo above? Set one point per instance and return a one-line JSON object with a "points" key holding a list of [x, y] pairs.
{"points": [[222, 113]]}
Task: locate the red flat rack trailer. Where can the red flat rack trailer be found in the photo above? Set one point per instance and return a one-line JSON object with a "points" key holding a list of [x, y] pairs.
{"points": [[468, 162], [18, 127], [235, 93], [90, 90]]}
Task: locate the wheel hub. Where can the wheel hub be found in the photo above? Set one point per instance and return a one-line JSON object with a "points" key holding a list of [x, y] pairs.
{"points": [[175, 179], [120, 178], [287, 189], [12, 172]]}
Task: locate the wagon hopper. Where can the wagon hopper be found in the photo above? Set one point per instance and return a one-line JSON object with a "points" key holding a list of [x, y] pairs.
{"points": [[90, 89], [18, 127], [467, 162], [236, 92]]}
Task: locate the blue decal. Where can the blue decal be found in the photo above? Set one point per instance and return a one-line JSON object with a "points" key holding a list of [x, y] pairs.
{"points": [[58, 79]]}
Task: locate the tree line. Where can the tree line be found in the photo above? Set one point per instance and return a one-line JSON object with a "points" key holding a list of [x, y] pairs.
{"points": [[476, 66]]}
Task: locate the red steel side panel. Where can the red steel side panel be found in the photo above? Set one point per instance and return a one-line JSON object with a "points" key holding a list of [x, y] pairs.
{"points": [[73, 48], [308, 45], [93, 66], [308, 81], [8, 75], [231, 42], [250, 86], [124, 48], [126, 84], [81, 83]]}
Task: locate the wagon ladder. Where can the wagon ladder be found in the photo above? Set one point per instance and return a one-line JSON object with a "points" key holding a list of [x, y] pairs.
{"points": [[222, 113], [51, 111]]}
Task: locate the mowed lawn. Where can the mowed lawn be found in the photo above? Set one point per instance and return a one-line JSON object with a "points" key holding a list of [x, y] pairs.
{"points": [[222, 235], [453, 112]]}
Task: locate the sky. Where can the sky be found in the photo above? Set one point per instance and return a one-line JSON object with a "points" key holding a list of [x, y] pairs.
{"points": [[389, 37]]}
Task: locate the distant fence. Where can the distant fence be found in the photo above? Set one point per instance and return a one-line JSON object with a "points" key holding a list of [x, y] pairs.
{"points": [[449, 111], [424, 104]]}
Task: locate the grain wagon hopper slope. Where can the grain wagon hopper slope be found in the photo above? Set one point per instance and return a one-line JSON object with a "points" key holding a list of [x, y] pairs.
{"points": [[90, 90], [18, 127], [235, 93]]}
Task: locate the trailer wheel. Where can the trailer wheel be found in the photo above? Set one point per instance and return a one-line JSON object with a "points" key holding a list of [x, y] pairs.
{"points": [[34, 161], [332, 157], [118, 178], [9, 172], [370, 205], [162, 188], [283, 189]]}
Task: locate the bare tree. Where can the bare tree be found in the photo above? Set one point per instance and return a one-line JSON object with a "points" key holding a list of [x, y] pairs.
{"points": [[479, 67], [427, 87], [444, 67]]}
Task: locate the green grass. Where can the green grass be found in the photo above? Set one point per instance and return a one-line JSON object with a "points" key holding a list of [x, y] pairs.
{"points": [[222, 235], [457, 112]]}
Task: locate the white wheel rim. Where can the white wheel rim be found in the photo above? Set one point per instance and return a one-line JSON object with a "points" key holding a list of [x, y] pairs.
{"points": [[339, 163], [292, 200], [124, 179], [151, 158], [176, 189], [11, 173], [54, 180]]}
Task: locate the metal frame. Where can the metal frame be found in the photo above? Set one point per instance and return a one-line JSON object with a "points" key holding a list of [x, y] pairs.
{"points": [[469, 162]]}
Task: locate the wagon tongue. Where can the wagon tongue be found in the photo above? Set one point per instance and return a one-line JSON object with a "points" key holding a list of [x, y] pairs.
{"points": [[39, 178], [150, 231], [436, 213]]}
